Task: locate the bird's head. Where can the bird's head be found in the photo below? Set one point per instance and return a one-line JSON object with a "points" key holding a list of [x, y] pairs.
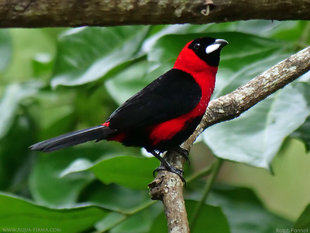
{"points": [[200, 52], [208, 49]]}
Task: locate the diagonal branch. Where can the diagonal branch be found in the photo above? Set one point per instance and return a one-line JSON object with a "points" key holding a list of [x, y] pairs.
{"points": [[221, 109], [64, 13], [233, 104]]}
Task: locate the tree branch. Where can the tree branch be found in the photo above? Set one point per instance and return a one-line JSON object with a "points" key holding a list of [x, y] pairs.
{"points": [[64, 13], [167, 186]]}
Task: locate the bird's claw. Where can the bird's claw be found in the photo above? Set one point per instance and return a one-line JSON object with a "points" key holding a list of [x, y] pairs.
{"points": [[174, 170], [166, 166], [183, 152]]}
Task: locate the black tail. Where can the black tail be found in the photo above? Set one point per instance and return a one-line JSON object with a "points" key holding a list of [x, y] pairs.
{"points": [[73, 138]]}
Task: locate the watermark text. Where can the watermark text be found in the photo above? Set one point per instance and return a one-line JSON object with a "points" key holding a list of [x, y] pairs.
{"points": [[30, 229]]}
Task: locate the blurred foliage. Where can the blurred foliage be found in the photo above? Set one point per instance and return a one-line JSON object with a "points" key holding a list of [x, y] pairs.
{"points": [[58, 80]]}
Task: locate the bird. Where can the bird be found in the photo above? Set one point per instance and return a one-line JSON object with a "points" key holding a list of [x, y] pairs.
{"points": [[163, 114]]}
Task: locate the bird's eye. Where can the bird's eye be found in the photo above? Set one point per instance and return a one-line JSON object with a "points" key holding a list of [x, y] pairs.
{"points": [[196, 45]]}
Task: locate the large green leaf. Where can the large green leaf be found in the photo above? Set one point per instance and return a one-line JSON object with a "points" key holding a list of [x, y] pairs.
{"points": [[110, 221], [303, 133], [256, 136], [135, 210], [86, 54], [13, 95], [241, 45], [210, 219], [235, 72], [303, 222], [115, 197], [133, 78], [54, 113], [15, 156], [59, 177], [42, 65], [17, 214], [128, 81], [129, 171], [266, 28], [49, 187], [27, 43], [244, 211], [5, 48], [16, 134], [139, 222]]}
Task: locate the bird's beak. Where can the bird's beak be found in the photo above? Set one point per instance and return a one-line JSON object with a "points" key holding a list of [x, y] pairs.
{"points": [[221, 42], [216, 46]]}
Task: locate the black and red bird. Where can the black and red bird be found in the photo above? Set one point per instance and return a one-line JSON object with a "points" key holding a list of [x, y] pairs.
{"points": [[163, 114]]}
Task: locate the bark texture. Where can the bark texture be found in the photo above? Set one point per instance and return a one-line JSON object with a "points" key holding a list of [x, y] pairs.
{"points": [[64, 13], [221, 109]]}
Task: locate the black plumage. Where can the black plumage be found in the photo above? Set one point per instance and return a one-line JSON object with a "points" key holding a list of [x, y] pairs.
{"points": [[73, 138], [171, 95]]}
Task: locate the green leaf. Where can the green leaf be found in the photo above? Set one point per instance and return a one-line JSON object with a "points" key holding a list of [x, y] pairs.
{"points": [[168, 47], [15, 156], [77, 165], [56, 180], [19, 213], [136, 208], [87, 54], [27, 43], [303, 222], [295, 31], [110, 221], [244, 211], [132, 79], [129, 171], [128, 81], [256, 136], [303, 133], [115, 197], [305, 78], [288, 30], [53, 113], [5, 48], [230, 76], [42, 65], [139, 222], [211, 219], [13, 95], [47, 185]]}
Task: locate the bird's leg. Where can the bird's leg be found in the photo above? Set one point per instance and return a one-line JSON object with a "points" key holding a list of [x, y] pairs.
{"points": [[183, 152], [164, 165]]}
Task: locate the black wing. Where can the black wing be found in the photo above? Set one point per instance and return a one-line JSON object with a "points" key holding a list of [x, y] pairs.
{"points": [[171, 95]]}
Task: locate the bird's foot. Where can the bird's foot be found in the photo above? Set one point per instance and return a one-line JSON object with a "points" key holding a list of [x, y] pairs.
{"points": [[183, 152], [172, 169], [166, 166]]}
